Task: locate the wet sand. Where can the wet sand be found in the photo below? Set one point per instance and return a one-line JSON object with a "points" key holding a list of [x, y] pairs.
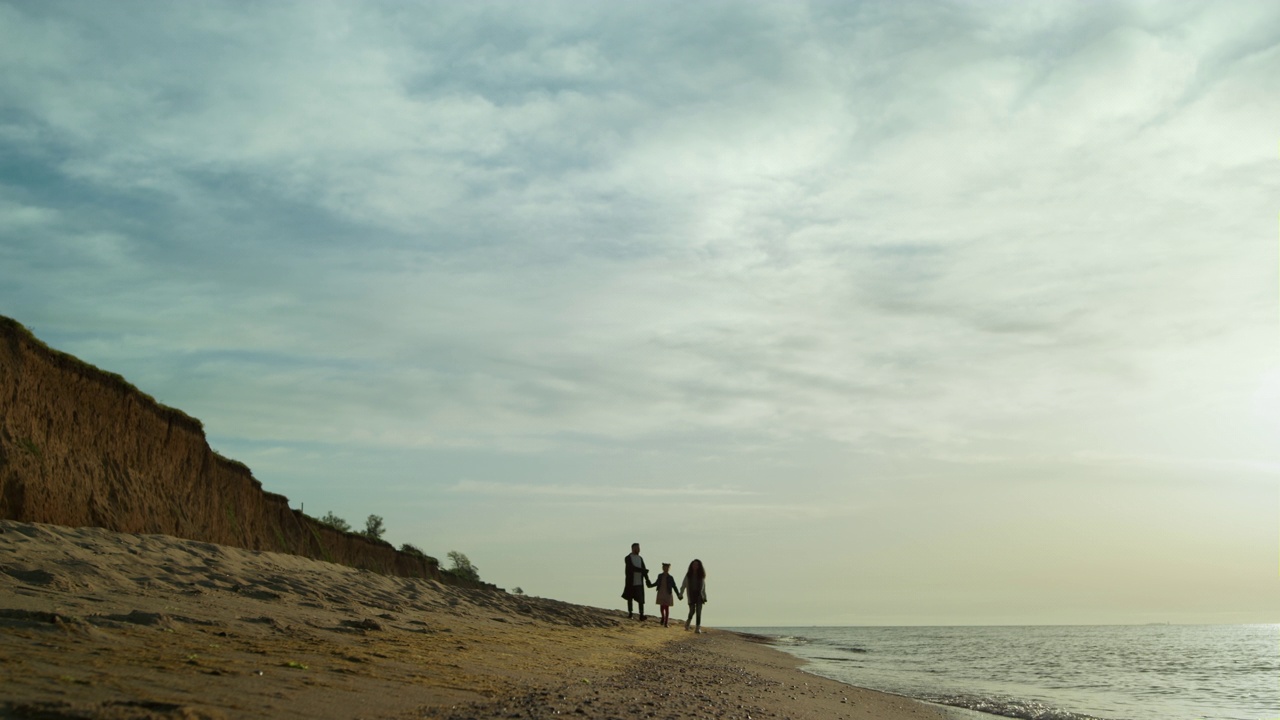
{"points": [[96, 624]]}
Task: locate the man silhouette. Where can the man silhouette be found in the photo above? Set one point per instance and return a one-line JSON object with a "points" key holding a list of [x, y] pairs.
{"points": [[637, 578]]}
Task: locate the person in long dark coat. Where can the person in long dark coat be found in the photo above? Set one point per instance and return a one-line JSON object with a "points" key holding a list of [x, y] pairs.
{"points": [[637, 579]]}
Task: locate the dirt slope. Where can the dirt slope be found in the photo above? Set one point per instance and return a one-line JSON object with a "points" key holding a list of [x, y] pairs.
{"points": [[83, 447]]}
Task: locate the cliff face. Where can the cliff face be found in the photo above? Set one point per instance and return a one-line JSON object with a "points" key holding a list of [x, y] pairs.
{"points": [[79, 446]]}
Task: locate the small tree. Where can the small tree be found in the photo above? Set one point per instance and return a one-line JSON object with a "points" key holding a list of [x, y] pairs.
{"points": [[462, 566], [335, 522], [518, 591], [373, 528], [413, 550]]}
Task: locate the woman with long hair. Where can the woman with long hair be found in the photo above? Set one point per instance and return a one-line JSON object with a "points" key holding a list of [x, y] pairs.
{"points": [[694, 586]]}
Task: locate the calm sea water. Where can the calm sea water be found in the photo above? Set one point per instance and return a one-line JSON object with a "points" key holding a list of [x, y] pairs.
{"points": [[1148, 672]]}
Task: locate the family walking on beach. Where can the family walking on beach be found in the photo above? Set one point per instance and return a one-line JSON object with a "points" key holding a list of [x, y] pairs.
{"points": [[694, 585]]}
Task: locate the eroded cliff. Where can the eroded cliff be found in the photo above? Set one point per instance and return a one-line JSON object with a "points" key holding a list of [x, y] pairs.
{"points": [[80, 446]]}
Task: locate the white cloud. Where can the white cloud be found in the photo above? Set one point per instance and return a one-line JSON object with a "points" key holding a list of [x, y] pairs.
{"points": [[952, 235], [600, 491]]}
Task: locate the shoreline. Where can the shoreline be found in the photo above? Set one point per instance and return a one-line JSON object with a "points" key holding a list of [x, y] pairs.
{"points": [[97, 624], [720, 674]]}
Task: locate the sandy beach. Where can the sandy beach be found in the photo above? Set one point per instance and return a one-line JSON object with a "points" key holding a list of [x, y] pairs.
{"points": [[97, 624]]}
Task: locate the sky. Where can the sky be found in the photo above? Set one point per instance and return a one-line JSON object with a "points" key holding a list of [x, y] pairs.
{"points": [[891, 313]]}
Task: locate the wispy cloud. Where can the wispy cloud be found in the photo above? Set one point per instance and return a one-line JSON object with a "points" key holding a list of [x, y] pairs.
{"points": [[505, 489], [820, 244], [531, 219]]}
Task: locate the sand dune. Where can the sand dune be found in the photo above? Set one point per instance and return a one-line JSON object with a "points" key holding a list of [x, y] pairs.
{"points": [[97, 624]]}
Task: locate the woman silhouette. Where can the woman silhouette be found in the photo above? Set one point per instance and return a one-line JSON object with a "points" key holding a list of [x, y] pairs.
{"points": [[694, 586]]}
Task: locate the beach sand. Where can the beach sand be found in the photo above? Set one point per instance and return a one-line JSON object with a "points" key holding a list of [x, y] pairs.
{"points": [[97, 624]]}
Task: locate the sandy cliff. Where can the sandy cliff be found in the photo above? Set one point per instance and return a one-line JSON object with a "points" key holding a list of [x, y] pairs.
{"points": [[83, 447]]}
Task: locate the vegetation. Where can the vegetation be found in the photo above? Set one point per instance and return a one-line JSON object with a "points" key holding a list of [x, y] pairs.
{"points": [[518, 590], [335, 522], [416, 551], [462, 566], [231, 519], [83, 369], [30, 446], [280, 541], [324, 551], [373, 527]]}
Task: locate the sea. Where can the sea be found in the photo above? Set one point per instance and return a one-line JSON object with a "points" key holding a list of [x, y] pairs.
{"points": [[1113, 672]]}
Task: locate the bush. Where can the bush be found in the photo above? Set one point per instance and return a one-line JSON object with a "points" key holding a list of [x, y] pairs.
{"points": [[417, 552], [373, 528], [462, 566], [335, 522]]}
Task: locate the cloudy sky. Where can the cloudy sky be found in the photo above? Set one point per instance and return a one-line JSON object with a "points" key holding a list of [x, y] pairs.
{"points": [[892, 313]]}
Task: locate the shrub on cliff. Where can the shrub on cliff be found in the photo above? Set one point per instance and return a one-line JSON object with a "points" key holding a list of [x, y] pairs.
{"points": [[415, 551], [462, 566], [373, 527], [335, 522]]}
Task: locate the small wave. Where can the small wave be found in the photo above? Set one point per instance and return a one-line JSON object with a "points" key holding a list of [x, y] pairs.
{"points": [[856, 650], [836, 659], [791, 640], [1008, 707]]}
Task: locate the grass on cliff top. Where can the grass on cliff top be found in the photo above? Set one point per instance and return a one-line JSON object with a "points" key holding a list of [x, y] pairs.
{"points": [[74, 364], [19, 334]]}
